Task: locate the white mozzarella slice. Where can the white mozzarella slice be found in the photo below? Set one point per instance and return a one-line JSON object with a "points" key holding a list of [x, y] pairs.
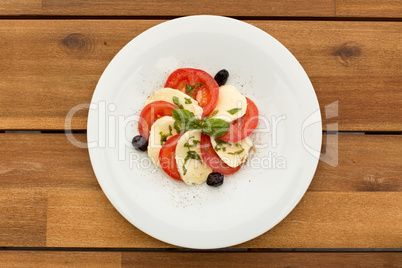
{"points": [[160, 132], [231, 104], [193, 171], [167, 94], [232, 153]]}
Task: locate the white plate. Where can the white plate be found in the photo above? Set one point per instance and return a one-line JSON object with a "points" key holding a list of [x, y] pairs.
{"points": [[251, 201]]}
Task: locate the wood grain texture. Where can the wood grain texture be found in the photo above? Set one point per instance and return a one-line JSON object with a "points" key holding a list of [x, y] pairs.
{"points": [[198, 259], [260, 259], [321, 220], [366, 163], [23, 218], [356, 204], [319, 8], [44, 160], [48, 67], [293, 8], [52, 259], [369, 8]]}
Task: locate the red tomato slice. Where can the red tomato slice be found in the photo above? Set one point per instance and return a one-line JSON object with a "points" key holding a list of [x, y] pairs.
{"points": [[207, 94], [244, 126], [212, 159], [167, 157], [151, 113]]}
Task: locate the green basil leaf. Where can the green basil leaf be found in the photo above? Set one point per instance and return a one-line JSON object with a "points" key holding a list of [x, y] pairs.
{"points": [[177, 127], [182, 116], [177, 102], [233, 111], [185, 119], [187, 100], [193, 124], [215, 127]]}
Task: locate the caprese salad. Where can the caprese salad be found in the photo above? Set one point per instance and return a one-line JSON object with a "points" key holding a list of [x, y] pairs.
{"points": [[197, 128]]}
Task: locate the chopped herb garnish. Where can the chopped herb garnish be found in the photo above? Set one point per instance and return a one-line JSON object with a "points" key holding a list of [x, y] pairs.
{"points": [[219, 141], [220, 145], [184, 169], [187, 100], [233, 111], [170, 130], [237, 152], [238, 145], [195, 142], [164, 136], [177, 102], [193, 155], [190, 155], [213, 114], [217, 148], [190, 88]]}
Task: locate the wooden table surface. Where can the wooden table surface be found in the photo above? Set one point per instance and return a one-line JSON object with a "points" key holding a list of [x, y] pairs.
{"points": [[52, 210]]}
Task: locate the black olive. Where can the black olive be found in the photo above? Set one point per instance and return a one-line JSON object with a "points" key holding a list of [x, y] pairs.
{"points": [[221, 77], [215, 179], [140, 143]]}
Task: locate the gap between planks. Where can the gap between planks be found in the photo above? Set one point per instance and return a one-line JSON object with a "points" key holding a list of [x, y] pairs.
{"points": [[123, 17], [189, 250]]}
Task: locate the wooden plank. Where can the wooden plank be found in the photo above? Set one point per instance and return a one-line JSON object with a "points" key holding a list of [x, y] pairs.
{"points": [[197, 259], [23, 218], [293, 8], [321, 220], [44, 160], [369, 8], [320, 8], [366, 163], [260, 259], [59, 259], [48, 67], [346, 63], [90, 220]]}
